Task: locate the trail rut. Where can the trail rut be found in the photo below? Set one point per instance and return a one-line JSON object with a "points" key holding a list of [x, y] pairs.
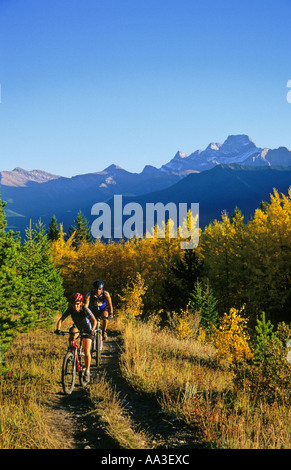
{"points": [[76, 428]]}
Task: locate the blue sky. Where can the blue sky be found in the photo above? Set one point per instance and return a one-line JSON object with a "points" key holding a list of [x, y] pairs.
{"points": [[130, 82]]}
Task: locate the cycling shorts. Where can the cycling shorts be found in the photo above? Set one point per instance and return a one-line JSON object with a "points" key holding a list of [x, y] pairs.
{"points": [[98, 313], [85, 330]]}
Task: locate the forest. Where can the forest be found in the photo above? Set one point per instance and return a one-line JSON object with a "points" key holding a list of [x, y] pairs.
{"points": [[231, 295], [237, 264]]}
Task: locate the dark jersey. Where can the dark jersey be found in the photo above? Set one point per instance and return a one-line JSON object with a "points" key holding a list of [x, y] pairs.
{"points": [[99, 303], [83, 320]]}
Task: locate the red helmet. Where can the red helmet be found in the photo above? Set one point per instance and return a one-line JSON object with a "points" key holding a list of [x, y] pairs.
{"points": [[76, 297]]}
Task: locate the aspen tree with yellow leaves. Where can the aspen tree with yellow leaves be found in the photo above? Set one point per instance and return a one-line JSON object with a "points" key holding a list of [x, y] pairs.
{"points": [[249, 263], [269, 251], [232, 337]]}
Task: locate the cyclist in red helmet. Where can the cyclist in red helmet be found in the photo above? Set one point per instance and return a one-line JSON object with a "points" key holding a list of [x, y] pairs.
{"points": [[84, 322]]}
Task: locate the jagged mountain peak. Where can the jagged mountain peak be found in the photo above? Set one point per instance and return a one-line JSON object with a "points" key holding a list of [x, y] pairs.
{"points": [[180, 154], [214, 146], [239, 139], [237, 143], [150, 169], [235, 149], [21, 177], [112, 167]]}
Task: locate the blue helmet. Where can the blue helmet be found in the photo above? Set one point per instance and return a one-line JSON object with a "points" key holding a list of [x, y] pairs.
{"points": [[98, 284]]}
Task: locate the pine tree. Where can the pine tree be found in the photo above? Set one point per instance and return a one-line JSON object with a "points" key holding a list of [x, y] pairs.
{"points": [[42, 282], [54, 231], [82, 230], [264, 337], [203, 301], [184, 272], [10, 283]]}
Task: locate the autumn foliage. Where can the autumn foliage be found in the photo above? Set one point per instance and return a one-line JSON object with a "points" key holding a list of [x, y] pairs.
{"points": [[244, 262]]}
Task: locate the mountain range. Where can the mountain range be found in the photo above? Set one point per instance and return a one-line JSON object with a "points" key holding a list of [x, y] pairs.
{"points": [[236, 149], [221, 177]]}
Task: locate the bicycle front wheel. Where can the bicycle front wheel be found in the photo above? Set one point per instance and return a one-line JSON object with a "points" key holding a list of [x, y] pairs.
{"points": [[68, 373]]}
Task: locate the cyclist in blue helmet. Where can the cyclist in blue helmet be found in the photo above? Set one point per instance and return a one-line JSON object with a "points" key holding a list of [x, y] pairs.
{"points": [[99, 302]]}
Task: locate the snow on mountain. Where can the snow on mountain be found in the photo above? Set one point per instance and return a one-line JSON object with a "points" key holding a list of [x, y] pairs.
{"points": [[236, 149]]}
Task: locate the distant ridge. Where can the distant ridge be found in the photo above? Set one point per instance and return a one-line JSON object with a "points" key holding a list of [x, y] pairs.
{"points": [[20, 177], [224, 175], [236, 149]]}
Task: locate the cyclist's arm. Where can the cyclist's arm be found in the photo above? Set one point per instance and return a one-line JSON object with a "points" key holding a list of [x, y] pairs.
{"points": [[109, 303], [87, 300], [91, 317], [94, 324], [63, 317]]}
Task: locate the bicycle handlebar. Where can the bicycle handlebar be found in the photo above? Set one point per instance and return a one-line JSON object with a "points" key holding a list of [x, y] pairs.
{"points": [[61, 333]]}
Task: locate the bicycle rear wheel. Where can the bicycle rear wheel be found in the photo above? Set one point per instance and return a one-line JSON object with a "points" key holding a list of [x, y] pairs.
{"points": [[68, 373]]}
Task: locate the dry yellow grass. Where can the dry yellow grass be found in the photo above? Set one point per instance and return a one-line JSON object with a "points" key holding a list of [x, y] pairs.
{"points": [[110, 411], [189, 385], [32, 375], [33, 370]]}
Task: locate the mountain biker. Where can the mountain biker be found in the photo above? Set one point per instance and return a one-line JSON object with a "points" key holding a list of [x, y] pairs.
{"points": [[84, 322], [99, 302]]}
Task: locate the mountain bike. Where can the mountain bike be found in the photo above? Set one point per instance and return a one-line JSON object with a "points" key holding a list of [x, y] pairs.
{"points": [[97, 344], [73, 362]]}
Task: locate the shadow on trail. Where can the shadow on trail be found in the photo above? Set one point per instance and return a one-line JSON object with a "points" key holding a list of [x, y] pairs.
{"points": [[79, 428], [144, 411]]}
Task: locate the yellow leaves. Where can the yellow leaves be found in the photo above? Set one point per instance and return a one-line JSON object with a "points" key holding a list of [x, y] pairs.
{"points": [[62, 247], [185, 324], [231, 337], [131, 303], [183, 328], [251, 261]]}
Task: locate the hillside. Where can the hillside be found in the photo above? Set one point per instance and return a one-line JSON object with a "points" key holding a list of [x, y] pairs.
{"points": [[224, 187], [224, 175], [28, 198]]}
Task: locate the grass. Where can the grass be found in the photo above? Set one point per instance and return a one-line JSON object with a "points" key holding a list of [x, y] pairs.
{"points": [[183, 375], [192, 387], [156, 362], [32, 375], [32, 372], [110, 412]]}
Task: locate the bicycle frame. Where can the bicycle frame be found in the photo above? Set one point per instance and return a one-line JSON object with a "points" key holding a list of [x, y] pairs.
{"points": [[73, 357], [98, 331], [74, 347], [97, 343]]}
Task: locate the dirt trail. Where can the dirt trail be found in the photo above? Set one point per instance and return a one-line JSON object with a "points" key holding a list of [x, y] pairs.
{"points": [[71, 420]]}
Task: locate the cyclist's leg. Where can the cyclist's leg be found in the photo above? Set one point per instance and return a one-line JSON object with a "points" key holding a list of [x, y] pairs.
{"points": [[73, 334], [87, 343], [105, 323]]}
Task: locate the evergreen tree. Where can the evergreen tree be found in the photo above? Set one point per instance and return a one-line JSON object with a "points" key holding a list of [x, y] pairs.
{"points": [[42, 282], [264, 337], [203, 301], [183, 274], [54, 231], [11, 304], [81, 230]]}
